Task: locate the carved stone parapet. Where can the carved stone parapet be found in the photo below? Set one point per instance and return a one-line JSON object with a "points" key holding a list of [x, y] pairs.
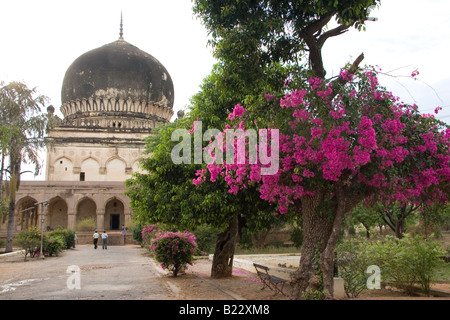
{"points": [[114, 113]]}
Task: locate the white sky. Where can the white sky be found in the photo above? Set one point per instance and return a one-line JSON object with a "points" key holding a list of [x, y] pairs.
{"points": [[41, 38]]}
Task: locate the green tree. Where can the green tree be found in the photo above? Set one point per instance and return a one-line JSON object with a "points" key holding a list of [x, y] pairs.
{"points": [[433, 218], [166, 194], [365, 215], [395, 214], [21, 112], [248, 33]]}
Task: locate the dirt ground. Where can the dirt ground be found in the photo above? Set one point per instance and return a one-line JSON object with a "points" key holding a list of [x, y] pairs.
{"points": [[196, 284]]}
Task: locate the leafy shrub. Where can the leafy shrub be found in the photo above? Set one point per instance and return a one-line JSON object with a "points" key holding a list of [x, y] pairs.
{"points": [[30, 241], [87, 224], [136, 232], [174, 250], [68, 236], [405, 262], [410, 261], [54, 245], [352, 260]]}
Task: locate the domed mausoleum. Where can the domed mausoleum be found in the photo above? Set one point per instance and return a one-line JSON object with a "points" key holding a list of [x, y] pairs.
{"points": [[112, 98], [117, 85]]}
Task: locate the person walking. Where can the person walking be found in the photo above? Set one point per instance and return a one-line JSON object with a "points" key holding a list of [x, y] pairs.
{"points": [[75, 239], [123, 232], [96, 235], [104, 240]]}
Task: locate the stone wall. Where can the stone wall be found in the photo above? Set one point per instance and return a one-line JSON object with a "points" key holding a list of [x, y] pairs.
{"points": [[114, 239]]}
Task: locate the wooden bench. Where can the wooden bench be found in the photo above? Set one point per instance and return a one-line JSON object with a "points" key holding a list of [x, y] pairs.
{"points": [[272, 282]]}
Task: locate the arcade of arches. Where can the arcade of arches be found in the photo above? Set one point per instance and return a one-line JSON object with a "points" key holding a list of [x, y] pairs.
{"points": [[65, 206]]}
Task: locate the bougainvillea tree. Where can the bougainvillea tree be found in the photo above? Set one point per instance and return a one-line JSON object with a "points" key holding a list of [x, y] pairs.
{"points": [[340, 142]]}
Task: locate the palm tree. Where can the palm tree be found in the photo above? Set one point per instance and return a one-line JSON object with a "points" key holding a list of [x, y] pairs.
{"points": [[22, 130]]}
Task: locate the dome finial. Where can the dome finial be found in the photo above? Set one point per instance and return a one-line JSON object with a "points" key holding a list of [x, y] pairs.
{"points": [[121, 27]]}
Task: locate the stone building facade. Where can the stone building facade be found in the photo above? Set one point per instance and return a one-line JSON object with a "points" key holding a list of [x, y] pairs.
{"points": [[112, 99]]}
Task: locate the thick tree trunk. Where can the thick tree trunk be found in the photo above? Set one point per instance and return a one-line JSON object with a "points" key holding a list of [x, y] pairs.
{"points": [[327, 257], [222, 265], [316, 231], [10, 229], [320, 235]]}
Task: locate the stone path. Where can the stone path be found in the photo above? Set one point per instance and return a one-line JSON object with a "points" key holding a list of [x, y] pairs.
{"points": [[119, 273]]}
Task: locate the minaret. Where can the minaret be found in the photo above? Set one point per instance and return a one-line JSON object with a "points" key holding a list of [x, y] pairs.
{"points": [[121, 27]]}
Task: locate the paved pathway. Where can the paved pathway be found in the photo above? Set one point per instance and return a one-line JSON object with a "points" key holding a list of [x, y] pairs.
{"points": [[119, 273]]}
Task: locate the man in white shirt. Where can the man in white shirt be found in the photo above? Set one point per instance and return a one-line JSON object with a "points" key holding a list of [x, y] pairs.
{"points": [[104, 240], [95, 239]]}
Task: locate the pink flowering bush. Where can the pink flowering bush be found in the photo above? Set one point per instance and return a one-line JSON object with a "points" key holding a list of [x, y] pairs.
{"points": [[174, 250], [148, 233]]}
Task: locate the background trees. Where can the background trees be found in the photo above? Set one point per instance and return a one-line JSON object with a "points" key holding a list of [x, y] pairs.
{"points": [[22, 127]]}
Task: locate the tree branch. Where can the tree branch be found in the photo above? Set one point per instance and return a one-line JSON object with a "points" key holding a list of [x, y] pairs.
{"points": [[316, 26], [332, 33], [315, 54], [340, 81], [355, 65]]}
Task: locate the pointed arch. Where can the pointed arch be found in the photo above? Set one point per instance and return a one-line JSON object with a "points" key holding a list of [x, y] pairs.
{"points": [[86, 208], [90, 167], [114, 214], [26, 214], [115, 169], [57, 213], [63, 169]]}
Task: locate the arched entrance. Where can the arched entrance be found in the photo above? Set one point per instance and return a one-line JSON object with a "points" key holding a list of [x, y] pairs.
{"points": [[86, 209], [57, 214], [114, 214], [26, 214]]}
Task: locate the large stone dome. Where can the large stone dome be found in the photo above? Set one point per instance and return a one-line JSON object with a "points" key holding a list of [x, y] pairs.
{"points": [[115, 82]]}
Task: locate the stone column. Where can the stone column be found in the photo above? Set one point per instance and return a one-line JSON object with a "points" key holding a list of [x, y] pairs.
{"points": [[100, 219], [71, 220]]}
